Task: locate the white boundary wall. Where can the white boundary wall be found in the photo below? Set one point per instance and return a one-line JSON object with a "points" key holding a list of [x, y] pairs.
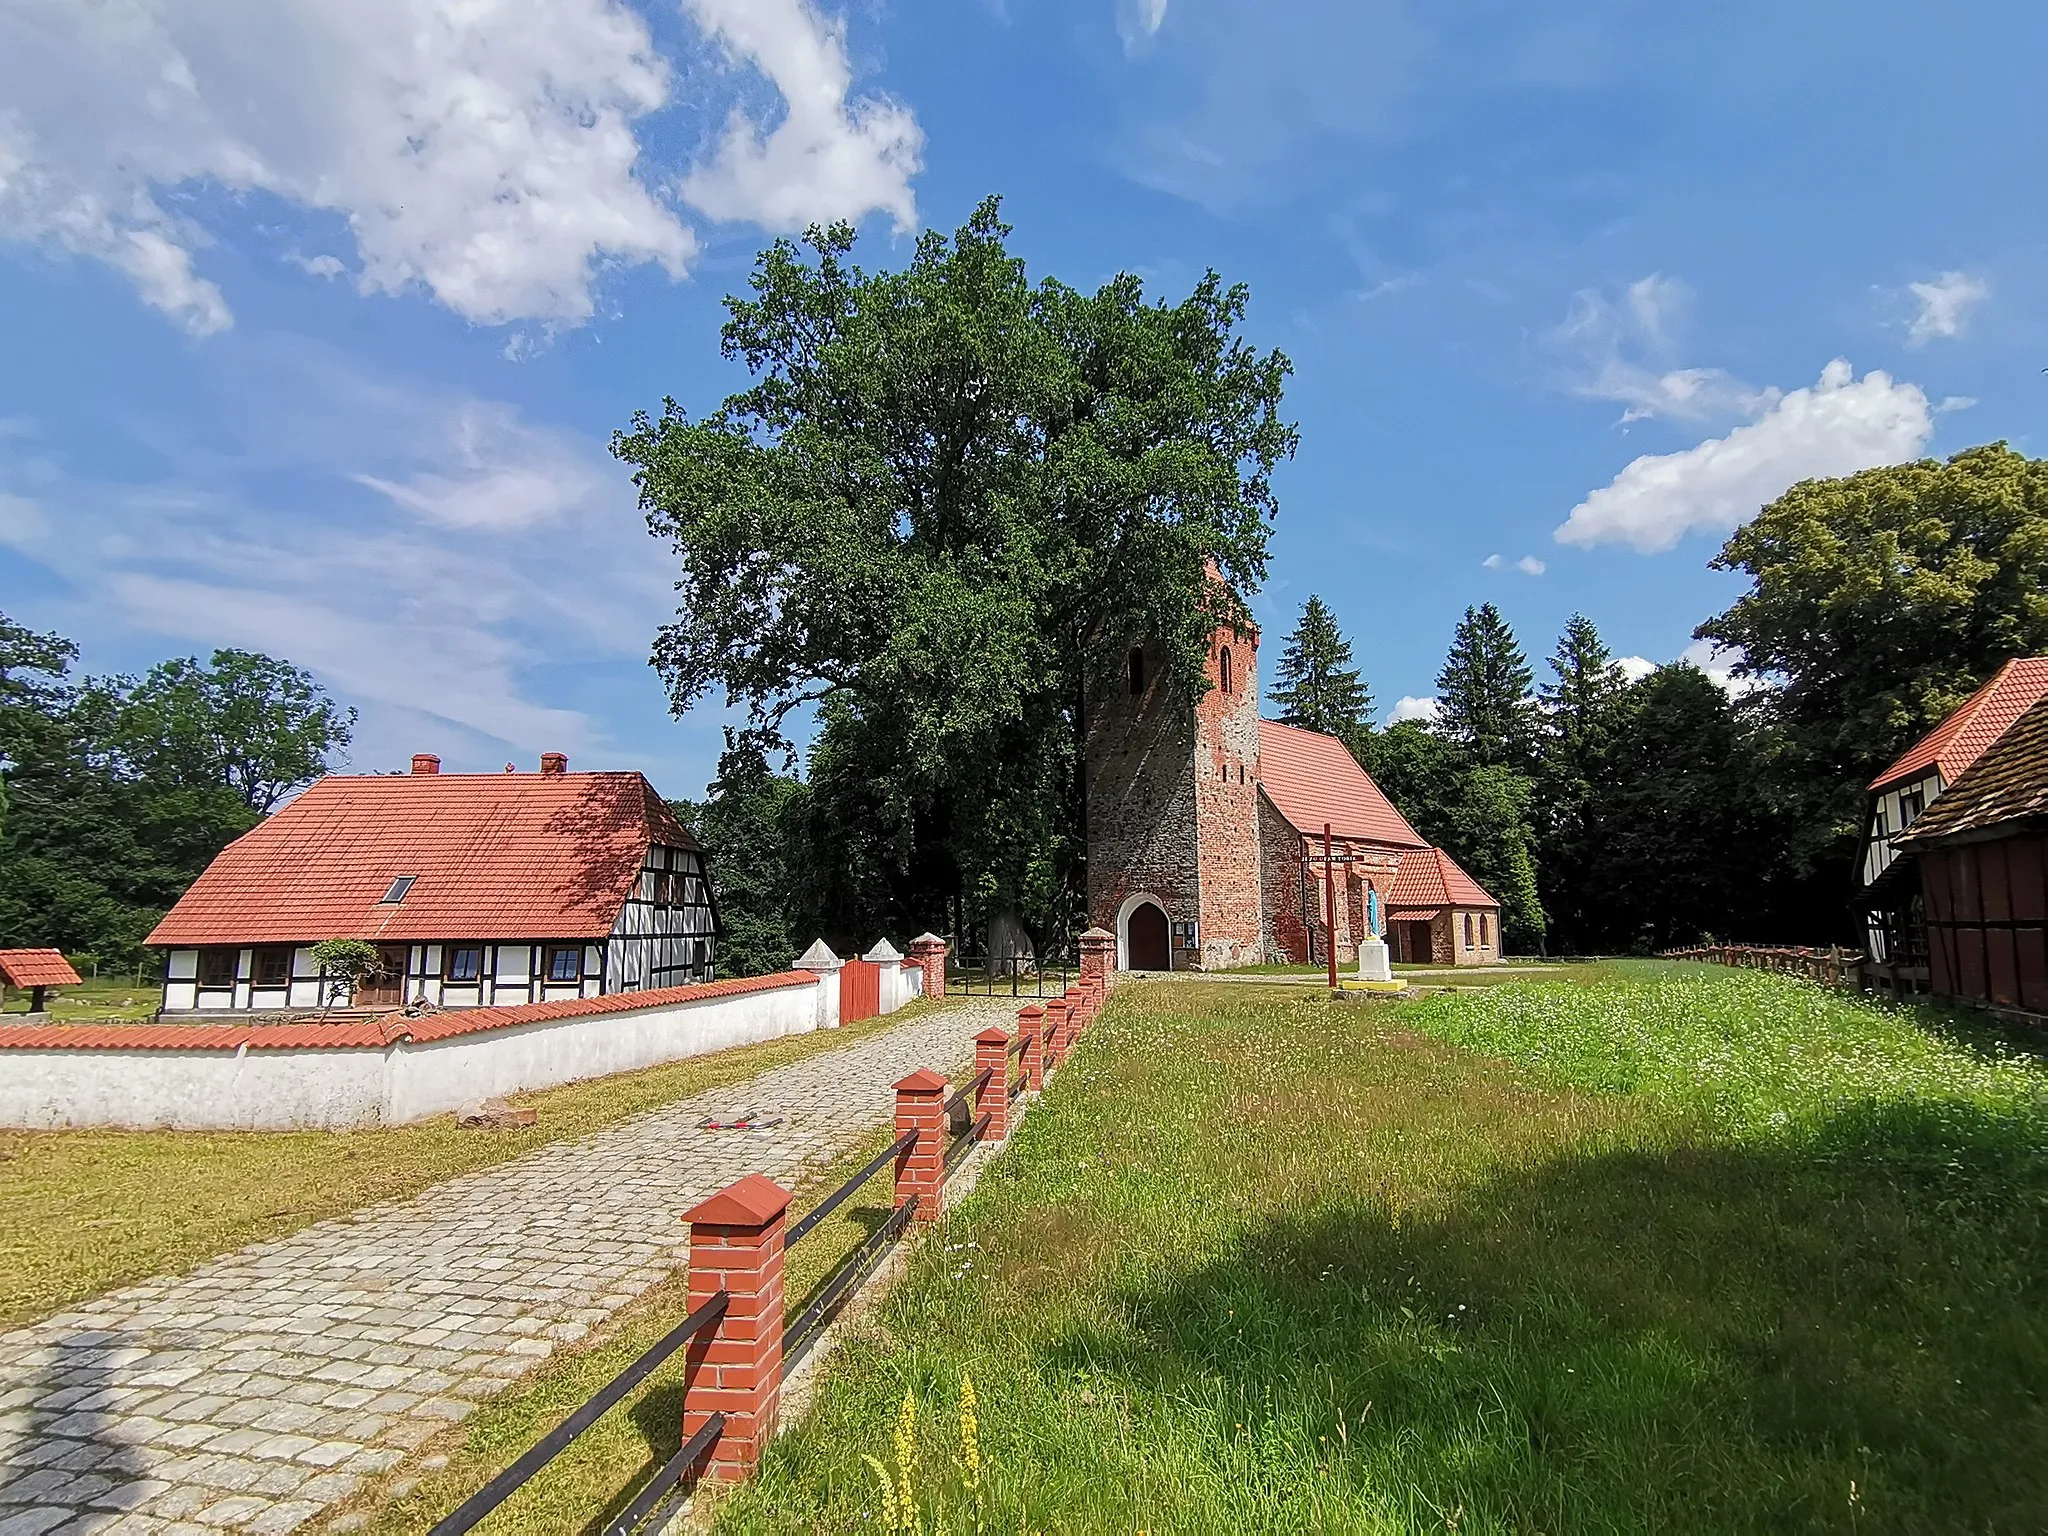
{"points": [[345, 1088]]}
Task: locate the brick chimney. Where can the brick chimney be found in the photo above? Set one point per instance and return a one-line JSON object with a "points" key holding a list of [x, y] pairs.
{"points": [[425, 762], [554, 762]]}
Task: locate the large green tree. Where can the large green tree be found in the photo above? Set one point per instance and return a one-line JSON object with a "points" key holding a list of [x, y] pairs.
{"points": [[1583, 715], [1878, 601], [1315, 684], [1483, 700], [119, 792], [948, 504]]}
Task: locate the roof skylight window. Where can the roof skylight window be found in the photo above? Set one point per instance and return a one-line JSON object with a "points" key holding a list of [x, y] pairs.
{"points": [[396, 893]]}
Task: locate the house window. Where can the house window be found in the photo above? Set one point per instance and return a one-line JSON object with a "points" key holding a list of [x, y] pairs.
{"points": [[1482, 930], [565, 962], [273, 967], [1226, 669], [1911, 804], [464, 964], [1137, 667], [217, 967], [668, 891], [1468, 930]]}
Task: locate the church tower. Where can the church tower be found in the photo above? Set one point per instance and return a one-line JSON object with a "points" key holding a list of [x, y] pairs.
{"points": [[1173, 821]]}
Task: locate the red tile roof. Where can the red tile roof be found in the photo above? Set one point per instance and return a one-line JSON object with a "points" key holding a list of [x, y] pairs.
{"points": [[493, 856], [2007, 785], [1312, 779], [1976, 722], [314, 1033], [36, 968], [1431, 878]]}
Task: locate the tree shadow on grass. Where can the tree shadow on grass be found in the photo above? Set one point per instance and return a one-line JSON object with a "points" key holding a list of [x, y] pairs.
{"points": [[1849, 1331]]}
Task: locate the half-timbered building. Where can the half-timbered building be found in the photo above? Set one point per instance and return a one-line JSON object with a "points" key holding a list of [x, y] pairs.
{"points": [[1891, 898], [475, 889]]}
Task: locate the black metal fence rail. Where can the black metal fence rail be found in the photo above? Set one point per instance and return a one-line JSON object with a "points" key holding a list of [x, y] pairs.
{"points": [[633, 1517], [809, 1325], [965, 1143], [1022, 976], [806, 1224], [508, 1482]]}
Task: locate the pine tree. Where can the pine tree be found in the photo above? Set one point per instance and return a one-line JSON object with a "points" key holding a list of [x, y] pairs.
{"points": [[1316, 687], [1483, 699], [1584, 714]]}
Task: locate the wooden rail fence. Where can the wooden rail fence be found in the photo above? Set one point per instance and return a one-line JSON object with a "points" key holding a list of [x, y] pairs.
{"points": [[1834, 965]]}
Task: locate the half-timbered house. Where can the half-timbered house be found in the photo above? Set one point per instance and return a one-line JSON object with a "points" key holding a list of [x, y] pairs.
{"points": [[1891, 900], [476, 889]]}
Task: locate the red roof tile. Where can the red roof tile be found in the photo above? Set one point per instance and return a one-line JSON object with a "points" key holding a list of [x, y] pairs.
{"points": [[1431, 878], [1976, 722], [493, 856], [2007, 785], [374, 1033], [36, 968], [1312, 779]]}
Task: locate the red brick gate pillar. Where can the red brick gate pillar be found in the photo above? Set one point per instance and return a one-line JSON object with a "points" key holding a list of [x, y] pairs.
{"points": [[929, 951], [992, 1055], [735, 1368], [1060, 1027], [1031, 1025], [921, 1167], [1098, 954]]}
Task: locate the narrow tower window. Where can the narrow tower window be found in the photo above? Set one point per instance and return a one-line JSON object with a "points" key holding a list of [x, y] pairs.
{"points": [[1137, 671], [1226, 669]]}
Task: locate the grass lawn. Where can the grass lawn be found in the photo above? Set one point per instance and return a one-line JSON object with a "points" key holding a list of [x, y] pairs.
{"points": [[93, 1001], [84, 1211], [1675, 1248]]}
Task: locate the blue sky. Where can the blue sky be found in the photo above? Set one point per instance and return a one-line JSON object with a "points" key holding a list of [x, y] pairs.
{"points": [[317, 319]]}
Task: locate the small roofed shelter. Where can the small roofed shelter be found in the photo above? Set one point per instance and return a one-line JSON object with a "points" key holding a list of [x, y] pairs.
{"points": [[1982, 857], [35, 971], [477, 889], [1902, 794], [1439, 915]]}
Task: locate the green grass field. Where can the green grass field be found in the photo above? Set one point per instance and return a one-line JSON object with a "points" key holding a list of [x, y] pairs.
{"points": [[1673, 1249]]}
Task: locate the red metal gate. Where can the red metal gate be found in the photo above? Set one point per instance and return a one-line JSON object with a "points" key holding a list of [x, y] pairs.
{"points": [[860, 991]]}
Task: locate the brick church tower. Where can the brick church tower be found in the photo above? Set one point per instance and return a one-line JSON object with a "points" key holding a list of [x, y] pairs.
{"points": [[1173, 813]]}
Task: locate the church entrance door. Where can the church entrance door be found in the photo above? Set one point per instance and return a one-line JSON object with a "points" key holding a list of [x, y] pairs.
{"points": [[1146, 935]]}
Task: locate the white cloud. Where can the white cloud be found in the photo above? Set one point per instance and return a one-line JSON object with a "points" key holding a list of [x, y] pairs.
{"points": [[1528, 565], [1492, 562], [320, 266], [1619, 349], [1954, 403], [488, 553], [1840, 425], [1409, 708], [1139, 21], [1945, 306], [22, 522], [829, 157], [1634, 668], [485, 152]]}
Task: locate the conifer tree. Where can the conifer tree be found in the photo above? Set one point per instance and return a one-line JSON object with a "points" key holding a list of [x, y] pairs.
{"points": [[1585, 712], [1483, 691], [1316, 686]]}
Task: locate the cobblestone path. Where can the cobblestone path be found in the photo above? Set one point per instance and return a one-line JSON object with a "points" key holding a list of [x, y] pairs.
{"points": [[255, 1391]]}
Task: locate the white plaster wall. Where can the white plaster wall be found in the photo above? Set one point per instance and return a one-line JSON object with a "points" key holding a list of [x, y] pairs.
{"points": [[192, 1090], [361, 1086], [442, 1075]]}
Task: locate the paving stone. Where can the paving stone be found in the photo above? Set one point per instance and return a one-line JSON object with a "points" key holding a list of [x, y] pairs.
{"points": [[260, 1388]]}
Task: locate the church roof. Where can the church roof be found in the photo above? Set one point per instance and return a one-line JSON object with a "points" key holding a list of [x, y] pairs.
{"points": [[1313, 779], [428, 855], [1432, 879], [1973, 725]]}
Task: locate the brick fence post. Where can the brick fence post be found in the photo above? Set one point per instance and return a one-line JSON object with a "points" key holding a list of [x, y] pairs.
{"points": [[735, 1368], [1060, 1029], [921, 1167], [1098, 954], [1031, 1025], [992, 1055], [929, 951]]}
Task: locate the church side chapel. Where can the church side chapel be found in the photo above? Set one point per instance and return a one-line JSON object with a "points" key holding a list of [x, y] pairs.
{"points": [[1207, 829]]}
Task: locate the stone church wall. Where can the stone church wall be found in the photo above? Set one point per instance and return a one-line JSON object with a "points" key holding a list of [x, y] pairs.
{"points": [[1141, 800], [1226, 764], [1280, 878]]}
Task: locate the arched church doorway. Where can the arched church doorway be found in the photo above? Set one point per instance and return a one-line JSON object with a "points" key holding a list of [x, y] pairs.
{"points": [[1145, 938]]}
